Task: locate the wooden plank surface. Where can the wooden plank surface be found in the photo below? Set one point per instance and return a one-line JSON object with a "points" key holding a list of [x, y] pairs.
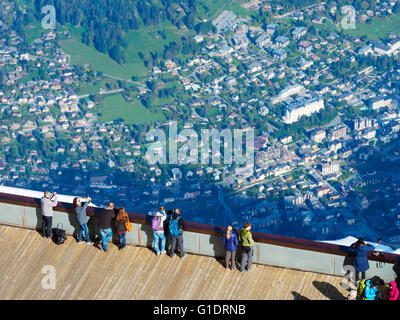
{"points": [[84, 272]]}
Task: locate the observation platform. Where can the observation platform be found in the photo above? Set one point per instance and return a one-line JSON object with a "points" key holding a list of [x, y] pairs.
{"points": [[283, 267], [84, 272]]}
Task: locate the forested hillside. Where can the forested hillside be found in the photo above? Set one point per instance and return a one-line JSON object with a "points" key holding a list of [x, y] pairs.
{"points": [[106, 21]]}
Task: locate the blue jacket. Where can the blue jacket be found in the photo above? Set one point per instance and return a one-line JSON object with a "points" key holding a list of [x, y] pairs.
{"points": [[370, 291], [361, 261], [232, 243]]}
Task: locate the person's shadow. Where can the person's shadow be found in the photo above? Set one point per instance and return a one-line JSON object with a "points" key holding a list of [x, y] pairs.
{"points": [[39, 221], [146, 228], [328, 290], [73, 221], [298, 296]]}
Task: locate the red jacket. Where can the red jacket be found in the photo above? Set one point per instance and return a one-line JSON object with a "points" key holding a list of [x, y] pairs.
{"points": [[394, 293]]}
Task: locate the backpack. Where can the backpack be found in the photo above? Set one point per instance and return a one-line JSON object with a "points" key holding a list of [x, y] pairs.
{"points": [[59, 235], [128, 226], [361, 289], [156, 224], [174, 227]]}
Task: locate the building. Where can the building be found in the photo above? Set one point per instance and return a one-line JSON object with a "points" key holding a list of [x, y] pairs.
{"points": [[318, 135], [224, 21], [380, 102], [330, 168], [270, 28], [305, 46], [282, 41], [287, 92], [299, 32], [363, 123], [254, 67], [390, 48], [337, 132], [304, 106]]}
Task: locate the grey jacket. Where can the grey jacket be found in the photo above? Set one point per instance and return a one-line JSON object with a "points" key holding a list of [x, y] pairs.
{"points": [[81, 213], [46, 206]]}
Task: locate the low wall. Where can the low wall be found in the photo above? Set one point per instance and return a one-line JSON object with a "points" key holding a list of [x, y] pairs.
{"points": [[274, 250]]}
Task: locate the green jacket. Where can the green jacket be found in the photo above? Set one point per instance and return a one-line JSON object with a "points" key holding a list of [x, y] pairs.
{"points": [[246, 238]]}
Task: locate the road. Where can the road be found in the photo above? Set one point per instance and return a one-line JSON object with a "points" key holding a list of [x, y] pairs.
{"points": [[229, 215], [291, 12]]}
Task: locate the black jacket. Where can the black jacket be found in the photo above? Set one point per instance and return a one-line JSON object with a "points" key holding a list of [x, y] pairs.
{"points": [[106, 216], [120, 226]]}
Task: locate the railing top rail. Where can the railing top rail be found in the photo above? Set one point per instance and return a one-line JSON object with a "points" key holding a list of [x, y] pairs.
{"points": [[278, 240]]}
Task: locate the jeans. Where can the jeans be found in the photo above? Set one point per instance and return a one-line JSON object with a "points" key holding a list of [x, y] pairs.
{"points": [[178, 239], [157, 237], [105, 235], [84, 228], [46, 226], [247, 257], [230, 256], [122, 239], [358, 275]]}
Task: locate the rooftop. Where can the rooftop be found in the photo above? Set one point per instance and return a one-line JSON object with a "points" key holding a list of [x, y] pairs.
{"points": [[85, 272]]}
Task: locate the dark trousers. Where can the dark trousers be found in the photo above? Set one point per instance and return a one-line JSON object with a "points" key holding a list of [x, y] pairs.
{"points": [[358, 275], [230, 256], [247, 258], [122, 239], [46, 226], [174, 240]]}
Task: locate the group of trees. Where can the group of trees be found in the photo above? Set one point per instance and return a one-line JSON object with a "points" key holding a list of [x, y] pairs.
{"points": [[107, 21]]}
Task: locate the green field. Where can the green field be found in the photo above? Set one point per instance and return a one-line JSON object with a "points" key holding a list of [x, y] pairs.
{"points": [[146, 40], [378, 29], [115, 106]]}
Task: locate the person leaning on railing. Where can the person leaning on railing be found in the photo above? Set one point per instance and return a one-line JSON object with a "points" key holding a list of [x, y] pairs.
{"points": [[247, 242], [120, 224], [47, 202], [107, 214], [83, 219], [176, 225], [360, 248], [158, 226], [231, 242]]}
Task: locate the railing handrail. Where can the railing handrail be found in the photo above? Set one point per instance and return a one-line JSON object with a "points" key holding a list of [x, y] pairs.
{"points": [[284, 241]]}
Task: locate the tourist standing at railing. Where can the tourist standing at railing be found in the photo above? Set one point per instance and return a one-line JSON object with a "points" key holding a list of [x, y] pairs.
{"points": [[247, 242], [370, 290], [107, 214], [360, 248], [168, 239], [393, 292], [176, 225], [47, 203], [231, 242], [83, 219], [158, 225], [120, 224]]}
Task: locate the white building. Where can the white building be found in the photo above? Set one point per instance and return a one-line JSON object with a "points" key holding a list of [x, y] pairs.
{"points": [[330, 168], [302, 107], [318, 136], [287, 92]]}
